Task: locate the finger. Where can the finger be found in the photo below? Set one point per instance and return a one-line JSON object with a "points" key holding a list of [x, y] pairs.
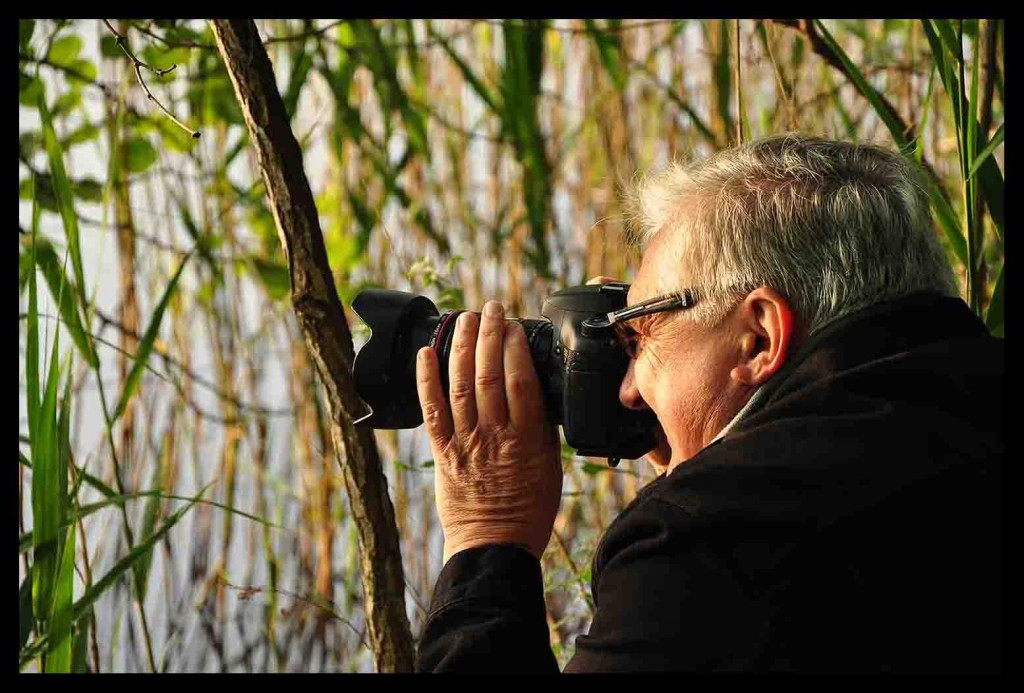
{"points": [[602, 280], [461, 370], [436, 416], [522, 387], [491, 408]]}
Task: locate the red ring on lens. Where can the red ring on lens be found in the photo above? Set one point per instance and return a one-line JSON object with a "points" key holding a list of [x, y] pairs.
{"points": [[440, 330]]}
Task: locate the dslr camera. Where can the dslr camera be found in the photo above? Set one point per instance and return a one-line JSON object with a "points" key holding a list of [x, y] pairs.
{"points": [[579, 361]]}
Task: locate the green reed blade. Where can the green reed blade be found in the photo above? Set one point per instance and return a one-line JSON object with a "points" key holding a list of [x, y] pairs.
{"points": [[58, 658], [65, 294], [47, 498], [63, 192], [148, 339]]}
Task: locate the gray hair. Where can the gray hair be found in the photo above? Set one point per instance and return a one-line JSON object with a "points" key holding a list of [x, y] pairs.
{"points": [[833, 226]]}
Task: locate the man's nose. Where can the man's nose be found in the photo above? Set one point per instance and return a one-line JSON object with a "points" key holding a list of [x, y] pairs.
{"points": [[629, 395]]}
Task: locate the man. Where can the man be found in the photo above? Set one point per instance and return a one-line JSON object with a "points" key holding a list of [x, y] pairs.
{"points": [[831, 452]]}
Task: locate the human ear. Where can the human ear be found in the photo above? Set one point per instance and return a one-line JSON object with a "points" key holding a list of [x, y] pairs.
{"points": [[767, 325]]}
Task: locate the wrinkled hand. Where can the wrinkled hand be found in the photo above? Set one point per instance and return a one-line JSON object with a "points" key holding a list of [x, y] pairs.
{"points": [[661, 455], [498, 469]]}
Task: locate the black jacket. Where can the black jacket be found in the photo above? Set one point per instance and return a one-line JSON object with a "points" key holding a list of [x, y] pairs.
{"points": [[851, 521]]}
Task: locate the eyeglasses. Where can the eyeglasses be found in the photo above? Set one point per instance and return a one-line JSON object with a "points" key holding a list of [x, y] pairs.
{"points": [[627, 336]]}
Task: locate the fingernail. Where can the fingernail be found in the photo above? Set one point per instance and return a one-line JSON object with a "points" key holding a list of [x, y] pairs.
{"points": [[422, 355], [492, 309]]}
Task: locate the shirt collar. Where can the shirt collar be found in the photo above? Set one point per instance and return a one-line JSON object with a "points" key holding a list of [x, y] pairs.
{"points": [[739, 415]]}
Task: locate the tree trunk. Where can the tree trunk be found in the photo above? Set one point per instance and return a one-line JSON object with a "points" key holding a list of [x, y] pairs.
{"points": [[320, 317]]}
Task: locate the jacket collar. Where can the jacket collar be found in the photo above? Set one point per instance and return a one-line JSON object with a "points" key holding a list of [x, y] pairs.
{"points": [[880, 330]]}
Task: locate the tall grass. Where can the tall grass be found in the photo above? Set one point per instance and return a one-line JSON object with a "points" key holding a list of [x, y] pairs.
{"points": [[180, 506]]}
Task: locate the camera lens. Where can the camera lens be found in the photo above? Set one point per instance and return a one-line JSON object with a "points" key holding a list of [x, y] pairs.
{"points": [[401, 324], [539, 334]]}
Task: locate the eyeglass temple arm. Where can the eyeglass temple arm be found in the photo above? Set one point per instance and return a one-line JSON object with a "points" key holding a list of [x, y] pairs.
{"points": [[653, 305]]}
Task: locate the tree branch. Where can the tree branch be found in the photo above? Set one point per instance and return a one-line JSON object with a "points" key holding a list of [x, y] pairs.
{"points": [[322, 321]]}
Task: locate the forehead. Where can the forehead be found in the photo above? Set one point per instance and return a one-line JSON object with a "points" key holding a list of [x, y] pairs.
{"points": [[659, 268]]}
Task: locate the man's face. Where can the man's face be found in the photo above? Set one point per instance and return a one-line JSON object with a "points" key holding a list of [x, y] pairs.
{"points": [[682, 370]]}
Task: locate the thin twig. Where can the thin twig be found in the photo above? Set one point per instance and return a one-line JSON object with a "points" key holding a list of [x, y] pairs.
{"points": [[138, 65], [317, 601]]}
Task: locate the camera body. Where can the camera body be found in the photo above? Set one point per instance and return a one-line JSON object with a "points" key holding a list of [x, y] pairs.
{"points": [[580, 368], [589, 367]]}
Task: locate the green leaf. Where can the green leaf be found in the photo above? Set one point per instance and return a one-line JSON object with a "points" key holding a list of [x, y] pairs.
{"points": [[723, 77], [62, 188], [29, 90], [301, 65], [993, 144], [274, 276], [43, 191], [994, 316], [65, 295], [926, 108], [150, 515], [32, 335], [174, 138], [68, 101], [221, 103], [467, 73], [89, 189], [110, 49], [81, 644], [938, 33], [862, 85], [992, 189], [178, 56], [84, 71], [24, 268], [520, 86], [65, 50], [25, 617], [150, 54], [383, 63], [947, 33], [141, 155], [146, 345], [204, 240], [25, 29], [948, 222], [58, 659], [85, 133], [47, 500], [28, 144], [160, 58], [86, 477], [609, 48]]}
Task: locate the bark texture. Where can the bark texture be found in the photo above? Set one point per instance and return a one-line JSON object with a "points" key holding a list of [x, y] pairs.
{"points": [[326, 335]]}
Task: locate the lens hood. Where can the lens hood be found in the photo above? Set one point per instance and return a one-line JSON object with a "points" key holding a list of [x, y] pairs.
{"points": [[384, 369]]}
